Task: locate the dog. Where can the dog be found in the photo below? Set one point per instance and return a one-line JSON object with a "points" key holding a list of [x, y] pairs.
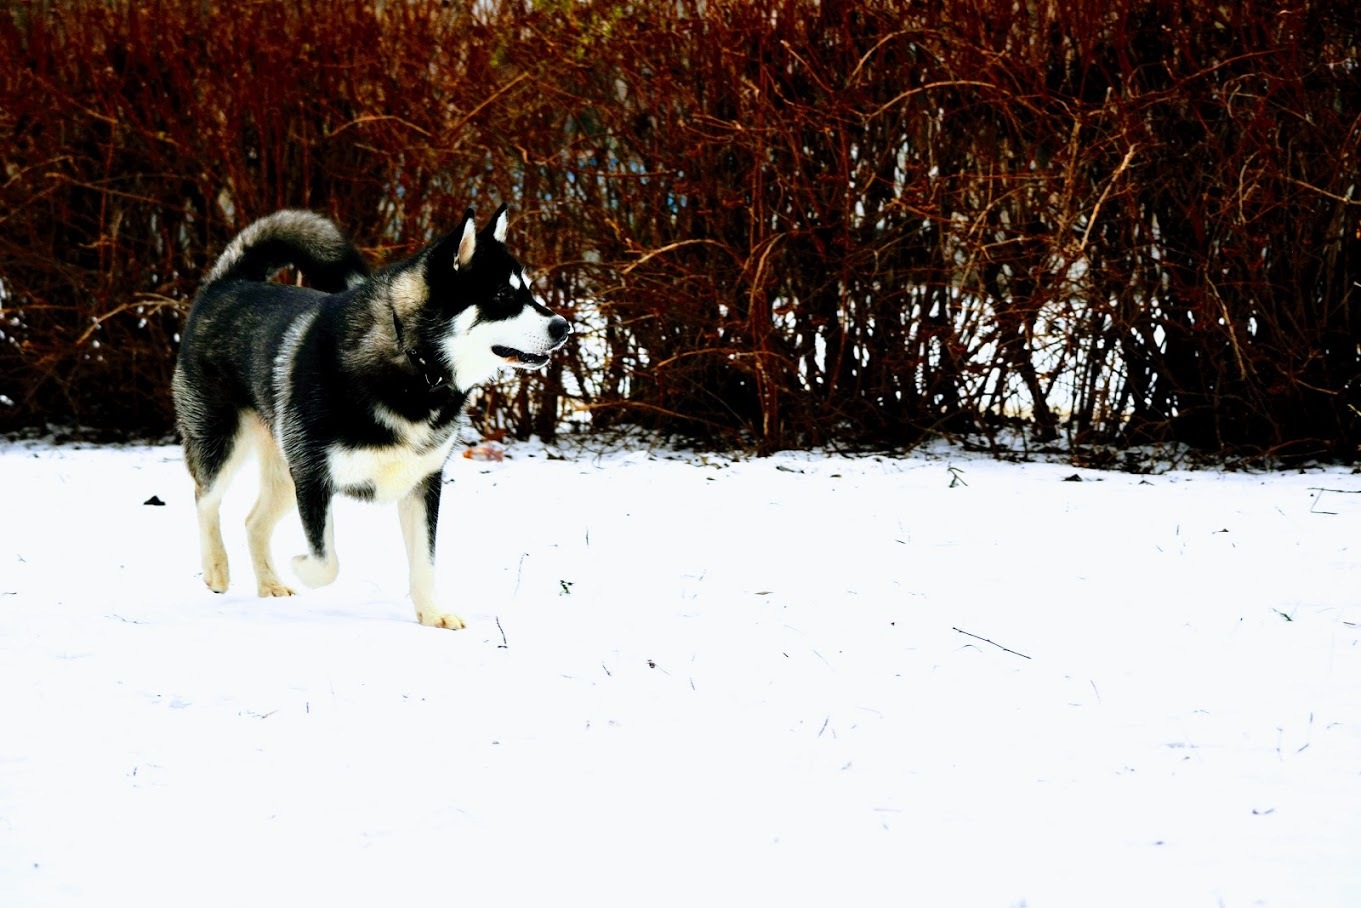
{"points": [[353, 385]]}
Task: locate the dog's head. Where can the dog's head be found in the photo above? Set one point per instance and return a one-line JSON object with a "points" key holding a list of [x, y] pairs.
{"points": [[481, 310]]}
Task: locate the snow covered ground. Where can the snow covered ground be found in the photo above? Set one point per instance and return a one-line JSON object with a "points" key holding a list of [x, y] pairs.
{"points": [[691, 680]]}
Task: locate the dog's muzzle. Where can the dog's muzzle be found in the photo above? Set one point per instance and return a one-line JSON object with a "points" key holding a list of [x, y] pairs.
{"points": [[559, 329]]}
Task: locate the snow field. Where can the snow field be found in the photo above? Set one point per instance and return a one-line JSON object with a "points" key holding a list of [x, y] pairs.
{"points": [[690, 680]]}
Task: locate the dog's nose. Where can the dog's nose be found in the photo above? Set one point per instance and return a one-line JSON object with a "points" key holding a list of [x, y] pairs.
{"points": [[558, 328]]}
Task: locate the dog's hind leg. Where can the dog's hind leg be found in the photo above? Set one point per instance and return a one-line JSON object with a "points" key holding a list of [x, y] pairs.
{"points": [[212, 467], [419, 514], [276, 497], [215, 571], [320, 566]]}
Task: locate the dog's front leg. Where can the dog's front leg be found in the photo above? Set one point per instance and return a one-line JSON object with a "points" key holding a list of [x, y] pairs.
{"points": [[419, 513], [320, 566]]}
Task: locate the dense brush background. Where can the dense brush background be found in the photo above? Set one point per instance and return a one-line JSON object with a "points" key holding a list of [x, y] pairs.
{"points": [[775, 224]]}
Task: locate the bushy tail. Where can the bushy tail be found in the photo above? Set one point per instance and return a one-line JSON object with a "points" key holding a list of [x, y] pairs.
{"points": [[306, 241]]}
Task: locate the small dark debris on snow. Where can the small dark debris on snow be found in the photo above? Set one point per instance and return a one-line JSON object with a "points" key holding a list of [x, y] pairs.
{"points": [[1073, 478], [155, 501]]}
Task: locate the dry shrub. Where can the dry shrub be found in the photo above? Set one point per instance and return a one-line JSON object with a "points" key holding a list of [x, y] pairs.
{"points": [[778, 224]]}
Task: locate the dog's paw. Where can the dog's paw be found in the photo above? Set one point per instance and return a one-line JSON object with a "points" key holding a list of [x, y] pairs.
{"points": [[432, 618], [216, 576], [313, 571], [270, 588]]}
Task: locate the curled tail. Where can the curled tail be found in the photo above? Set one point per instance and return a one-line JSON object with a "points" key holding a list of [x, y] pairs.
{"points": [[309, 242]]}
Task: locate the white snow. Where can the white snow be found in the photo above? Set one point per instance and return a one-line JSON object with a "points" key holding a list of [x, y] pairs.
{"points": [[690, 680]]}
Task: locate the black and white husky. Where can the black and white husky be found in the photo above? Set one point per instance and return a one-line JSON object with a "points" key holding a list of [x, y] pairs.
{"points": [[352, 386]]}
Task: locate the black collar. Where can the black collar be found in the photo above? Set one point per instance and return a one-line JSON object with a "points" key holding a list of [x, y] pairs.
{"points": [[426, 363], [436, 378]]}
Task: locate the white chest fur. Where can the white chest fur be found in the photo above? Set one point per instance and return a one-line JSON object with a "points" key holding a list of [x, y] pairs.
{"points": [[390, 472]]}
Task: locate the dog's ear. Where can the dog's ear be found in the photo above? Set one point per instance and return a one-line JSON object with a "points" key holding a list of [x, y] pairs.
{"points": [[467, 243], [498, 224]]}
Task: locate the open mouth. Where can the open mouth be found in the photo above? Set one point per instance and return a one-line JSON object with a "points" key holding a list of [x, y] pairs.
{"points": [[519, 358]]}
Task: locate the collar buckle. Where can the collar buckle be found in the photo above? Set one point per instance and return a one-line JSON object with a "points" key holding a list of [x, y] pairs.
{"points": [[435, 380]]}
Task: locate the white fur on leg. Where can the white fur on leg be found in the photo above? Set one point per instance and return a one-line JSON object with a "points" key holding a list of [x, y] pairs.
{"points": [[416, 534], [215, 570], [208, 500], [276, 497], [315, 571]]}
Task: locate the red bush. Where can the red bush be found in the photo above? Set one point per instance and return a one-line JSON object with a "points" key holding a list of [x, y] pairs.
{"points": [[776, 224]]}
